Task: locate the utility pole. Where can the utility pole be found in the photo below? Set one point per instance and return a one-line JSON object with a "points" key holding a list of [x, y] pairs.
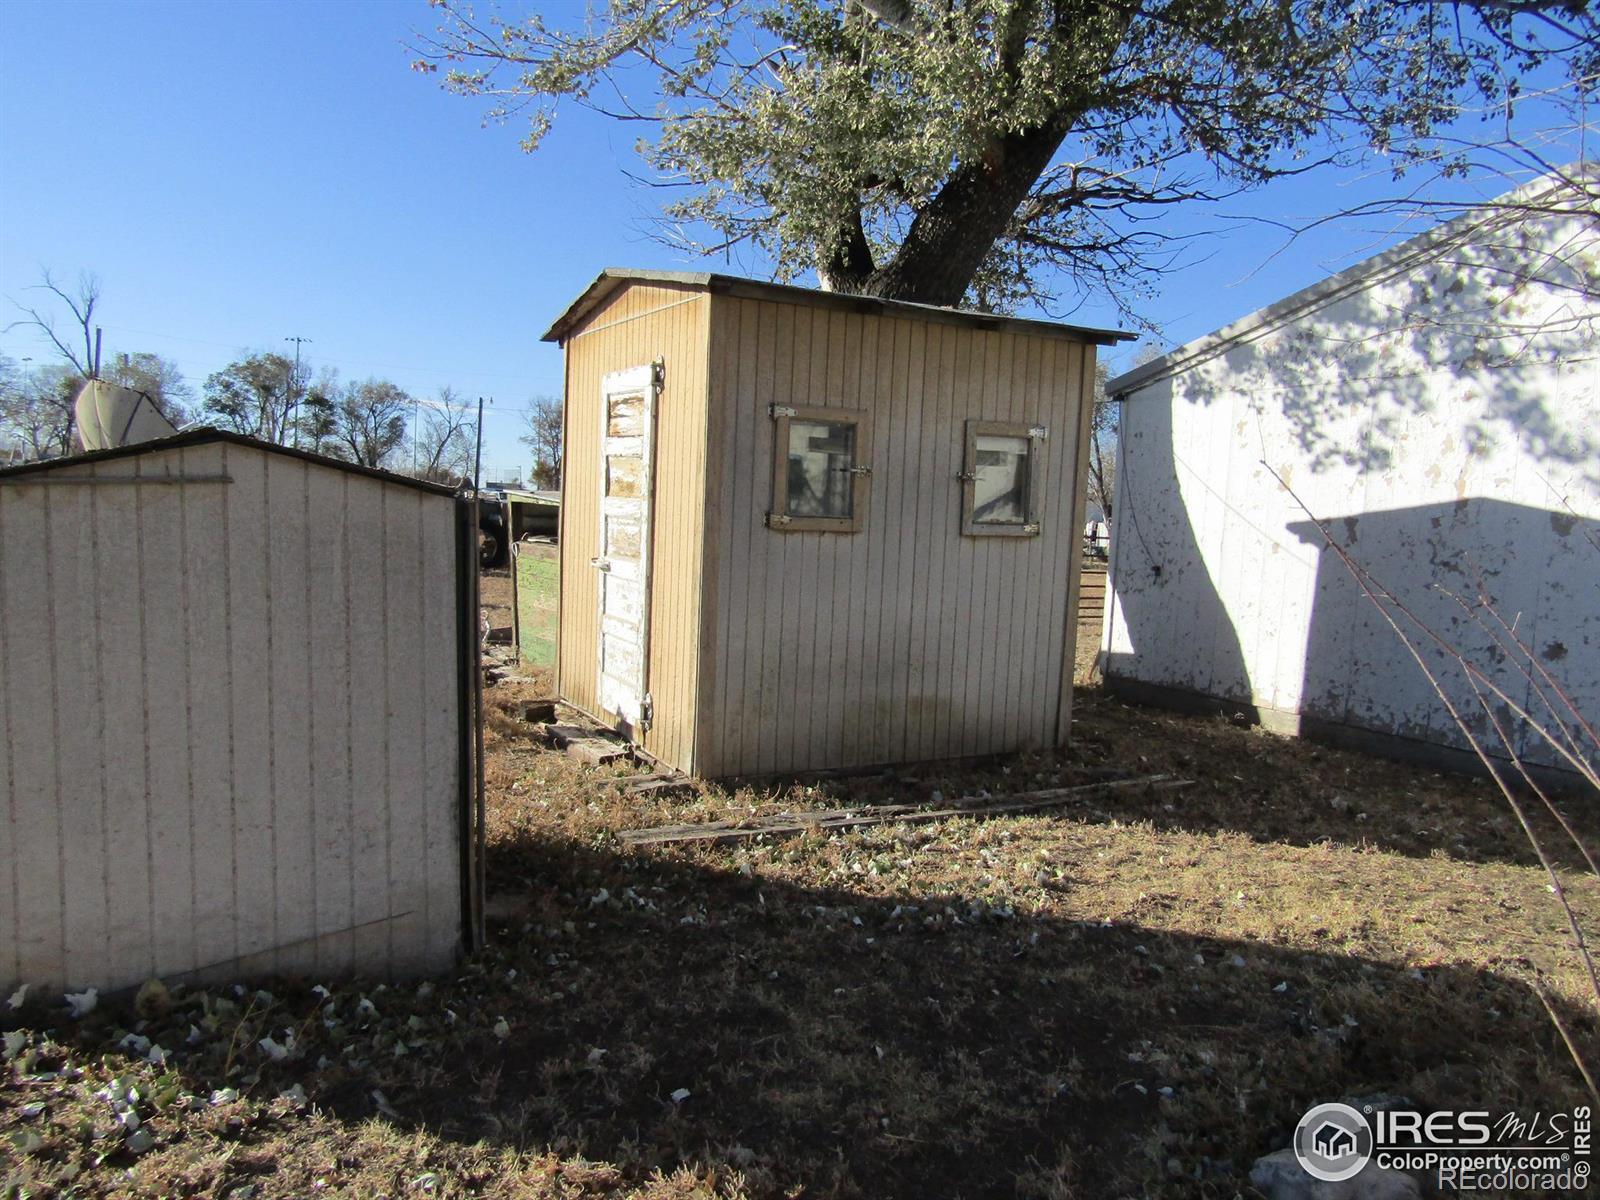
{"points": [[477, 458], [294, 388]]}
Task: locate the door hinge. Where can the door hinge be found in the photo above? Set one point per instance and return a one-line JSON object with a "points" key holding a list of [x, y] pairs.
{"points": [[1039, 432], [854, 470], [600, 564], [1031, 527], [647, 712], [658, 374], [966, 475], [777, 519], [779, 410]]}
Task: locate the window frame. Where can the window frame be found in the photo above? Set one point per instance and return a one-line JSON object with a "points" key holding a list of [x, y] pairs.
{"points": [[1030, 525], [778, 518]]}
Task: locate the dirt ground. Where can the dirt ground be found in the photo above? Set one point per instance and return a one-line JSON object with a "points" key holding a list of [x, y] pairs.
{"points": [[1135, 995], [494, 597]]}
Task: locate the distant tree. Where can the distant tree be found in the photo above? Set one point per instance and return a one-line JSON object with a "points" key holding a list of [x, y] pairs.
{"points": [[543, 436], [317, 422], [252, 395], [1104, 430], [1102, 446], [75, 345], [42, 410], [444, 438], [11, 377], [372, 421], [156, 377], [37, 408]]}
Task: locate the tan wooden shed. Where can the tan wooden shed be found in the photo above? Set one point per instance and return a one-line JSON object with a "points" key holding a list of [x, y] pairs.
{"points": [[235, 717], [803, 530]]}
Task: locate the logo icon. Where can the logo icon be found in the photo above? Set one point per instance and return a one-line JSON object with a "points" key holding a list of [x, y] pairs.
{"points": [[1333, 1142]]}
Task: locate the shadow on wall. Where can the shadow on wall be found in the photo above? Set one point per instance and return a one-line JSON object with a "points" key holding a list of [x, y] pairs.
{"points": [[1538, 569], [1485, 332], [1181, 632]]}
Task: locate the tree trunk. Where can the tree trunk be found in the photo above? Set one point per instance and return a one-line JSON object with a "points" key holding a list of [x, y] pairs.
{"points": [[948, 240], [849, 266]]}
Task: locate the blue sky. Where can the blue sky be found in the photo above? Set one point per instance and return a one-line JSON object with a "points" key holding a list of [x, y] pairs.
{"points": [[236, 173]]}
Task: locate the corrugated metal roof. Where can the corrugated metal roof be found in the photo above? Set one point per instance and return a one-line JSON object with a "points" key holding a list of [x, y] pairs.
{"points": [[613, 278], [206, 435]]}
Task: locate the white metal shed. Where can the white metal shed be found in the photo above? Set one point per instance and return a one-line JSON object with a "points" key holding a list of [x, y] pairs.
{"points": [[236, 716], [1438, 408]]}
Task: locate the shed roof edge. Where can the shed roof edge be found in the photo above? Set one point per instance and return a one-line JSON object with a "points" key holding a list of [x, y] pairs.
{"points": [[614, 277], [207, 435]]}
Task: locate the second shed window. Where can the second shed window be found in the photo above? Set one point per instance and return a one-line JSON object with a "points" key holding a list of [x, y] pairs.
{"points": [[998, 482], [821, 474]]}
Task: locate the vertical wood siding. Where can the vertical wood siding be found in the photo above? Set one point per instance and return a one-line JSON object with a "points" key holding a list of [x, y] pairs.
{"points": [[635, 327], [228, 724], [905, 641]]}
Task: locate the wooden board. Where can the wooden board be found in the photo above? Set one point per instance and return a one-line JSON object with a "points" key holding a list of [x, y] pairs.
{"points": [[841, 819]]}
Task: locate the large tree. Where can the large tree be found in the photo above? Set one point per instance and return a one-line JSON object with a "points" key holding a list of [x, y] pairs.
{"points": [[988, 150]]}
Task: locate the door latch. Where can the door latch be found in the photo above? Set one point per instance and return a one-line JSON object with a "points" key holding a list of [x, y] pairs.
{"points": [[600, 564]]}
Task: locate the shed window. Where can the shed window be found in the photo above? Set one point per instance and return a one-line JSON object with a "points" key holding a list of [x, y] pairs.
{"points": [[998, 480], [625, 415], [820, 469]]}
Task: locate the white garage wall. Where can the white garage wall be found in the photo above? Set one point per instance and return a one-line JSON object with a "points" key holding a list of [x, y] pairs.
{"points": [[1443, 415], [228, 722]]}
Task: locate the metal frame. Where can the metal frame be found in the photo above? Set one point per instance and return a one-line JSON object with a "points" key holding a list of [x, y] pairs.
{"points": [[777, 516], [1029, 526]]}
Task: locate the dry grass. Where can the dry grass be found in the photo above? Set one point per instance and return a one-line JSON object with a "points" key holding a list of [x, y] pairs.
{"points": [[1128, 997]]}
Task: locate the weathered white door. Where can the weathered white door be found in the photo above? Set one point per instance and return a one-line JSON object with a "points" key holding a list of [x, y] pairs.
{"points": [[627, 440]]}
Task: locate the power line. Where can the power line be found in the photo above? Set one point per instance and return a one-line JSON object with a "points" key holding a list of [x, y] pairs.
{"points": [[236, 347]]}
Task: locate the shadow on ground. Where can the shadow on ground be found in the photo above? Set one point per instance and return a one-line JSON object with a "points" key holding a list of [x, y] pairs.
{"points": [[819, 1042], [1241, 779], [1274, 788], [690, 1009]]}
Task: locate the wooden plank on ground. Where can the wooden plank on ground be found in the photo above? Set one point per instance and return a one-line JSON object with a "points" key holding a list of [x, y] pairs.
{"points": [[839, 819]]}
